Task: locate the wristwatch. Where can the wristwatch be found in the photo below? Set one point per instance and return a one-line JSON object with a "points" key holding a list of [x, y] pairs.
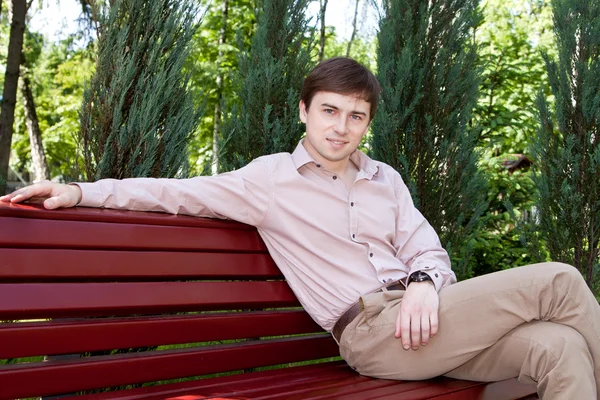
{"points": [[418, 276]]}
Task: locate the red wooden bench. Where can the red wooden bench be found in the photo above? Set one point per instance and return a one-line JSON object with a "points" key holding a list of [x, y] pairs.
{"points": [[79, 283]]}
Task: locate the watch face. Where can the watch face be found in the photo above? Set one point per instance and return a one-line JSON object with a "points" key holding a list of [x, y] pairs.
{"points": [[419, 276]]}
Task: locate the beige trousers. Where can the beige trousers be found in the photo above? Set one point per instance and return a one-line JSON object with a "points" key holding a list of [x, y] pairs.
{"points": [[539, 323]]}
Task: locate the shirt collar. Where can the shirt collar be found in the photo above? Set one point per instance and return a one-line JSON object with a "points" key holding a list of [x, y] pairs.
{"points": [[300, 156], [367, 167]]}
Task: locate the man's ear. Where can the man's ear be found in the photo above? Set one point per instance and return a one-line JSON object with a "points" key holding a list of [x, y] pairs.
{"points": [[303, 111]]}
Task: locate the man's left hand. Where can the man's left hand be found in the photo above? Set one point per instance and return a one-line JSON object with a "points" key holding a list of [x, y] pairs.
{"points": [[417, 320]]}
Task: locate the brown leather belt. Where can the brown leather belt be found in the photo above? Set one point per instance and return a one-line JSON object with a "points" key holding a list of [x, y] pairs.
{"points": [[356, 309]]}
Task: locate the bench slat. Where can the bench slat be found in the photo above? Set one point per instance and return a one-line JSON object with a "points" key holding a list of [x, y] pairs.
{"points": [[66, 337], [433, 388], [326, 380], [282, 381], [42, 233], [37, 211], [234, 383], [47, 265], [55, 300], [457, 390], [306, 390], [439, 388], [108, 371]]}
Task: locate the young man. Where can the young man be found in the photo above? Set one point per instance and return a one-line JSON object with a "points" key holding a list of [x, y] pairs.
{"points": [[365, 263]]}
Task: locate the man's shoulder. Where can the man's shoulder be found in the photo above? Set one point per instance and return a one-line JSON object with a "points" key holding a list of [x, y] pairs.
{"points": [[272, 160], [385, 169], [388, 174]]}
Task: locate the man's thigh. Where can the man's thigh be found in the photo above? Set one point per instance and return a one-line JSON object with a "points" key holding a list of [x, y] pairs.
{"points": [[474, 314], [525, 351]]}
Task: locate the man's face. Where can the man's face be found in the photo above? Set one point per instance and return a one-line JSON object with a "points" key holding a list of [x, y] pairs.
{"points": [[335, 125]]}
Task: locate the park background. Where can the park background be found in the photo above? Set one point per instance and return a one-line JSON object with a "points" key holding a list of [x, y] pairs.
{"points": [[490, 110]]}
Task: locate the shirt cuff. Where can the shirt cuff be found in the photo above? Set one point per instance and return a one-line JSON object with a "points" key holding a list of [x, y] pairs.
{"points": [[433, 272], [90, 195]]}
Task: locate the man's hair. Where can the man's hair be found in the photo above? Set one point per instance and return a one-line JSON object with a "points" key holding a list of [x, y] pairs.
{"points": [[345, 76]]}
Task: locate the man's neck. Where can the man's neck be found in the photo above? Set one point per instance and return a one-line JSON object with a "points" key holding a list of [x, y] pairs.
{"points": [[337, 167]]}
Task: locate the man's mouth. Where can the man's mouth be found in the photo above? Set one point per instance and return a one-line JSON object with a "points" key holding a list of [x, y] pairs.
{"points": [[337, 142]]}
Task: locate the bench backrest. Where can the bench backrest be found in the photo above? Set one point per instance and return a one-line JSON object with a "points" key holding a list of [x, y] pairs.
{"points": [[95, 283]]}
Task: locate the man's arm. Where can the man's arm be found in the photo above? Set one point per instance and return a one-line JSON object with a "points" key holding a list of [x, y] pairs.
{"points": [[417, 244], [243, 195], [419, 248]]}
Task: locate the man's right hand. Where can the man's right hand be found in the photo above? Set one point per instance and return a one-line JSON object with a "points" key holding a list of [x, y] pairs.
{"points": [[54, 195]]}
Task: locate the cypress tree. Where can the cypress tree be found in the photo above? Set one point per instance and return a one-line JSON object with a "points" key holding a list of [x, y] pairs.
{"points": [[567, 145], [429, 76], [137, 114], [268, 82]]}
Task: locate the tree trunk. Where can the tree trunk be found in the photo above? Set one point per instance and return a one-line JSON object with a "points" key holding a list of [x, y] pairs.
{"points": [[11, 81], [218, 111], [38, 157], [353, 29], [322, 40]]}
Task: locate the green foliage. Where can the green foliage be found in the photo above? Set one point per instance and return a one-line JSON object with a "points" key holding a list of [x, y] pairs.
{"points": [[567, 145], [509, 44], [208, 59], [364, 49], [268, 81], [58, 73], [429, 77], [497, 244], [138, 114]]}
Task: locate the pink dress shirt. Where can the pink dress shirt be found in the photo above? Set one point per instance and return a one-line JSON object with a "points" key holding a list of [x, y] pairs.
{"points": [[332, 244]]}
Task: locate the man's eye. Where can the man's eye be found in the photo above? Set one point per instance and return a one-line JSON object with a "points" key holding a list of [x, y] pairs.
{"points": [[356, 117], [328, 111]]}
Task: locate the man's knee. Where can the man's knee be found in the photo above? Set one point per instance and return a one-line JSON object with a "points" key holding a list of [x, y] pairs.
{"points": [[567, 341], [554, 344], [557, 356], [562, 270]]}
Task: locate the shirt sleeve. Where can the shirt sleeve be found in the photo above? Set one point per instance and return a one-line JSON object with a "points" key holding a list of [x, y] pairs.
{"points": [[417, 244], [243, 195]]}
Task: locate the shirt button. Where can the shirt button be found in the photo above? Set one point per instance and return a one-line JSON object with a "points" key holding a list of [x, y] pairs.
{"points": [[436, 275], [334, 177], [353, 236], [352, 204], [371, 255], [318, 165]]}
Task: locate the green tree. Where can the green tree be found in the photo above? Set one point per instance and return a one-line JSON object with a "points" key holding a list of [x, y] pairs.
{"points": [[567, 145], [364, 49], [509, 42], [58, 76], [268, 81], [427, 66], [138, 114], [213, 60], [497, 244], [38, 155], [11, 79]]}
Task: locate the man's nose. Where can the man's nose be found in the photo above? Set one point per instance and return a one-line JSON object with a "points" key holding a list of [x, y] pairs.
{"points": [[341, 125]]}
